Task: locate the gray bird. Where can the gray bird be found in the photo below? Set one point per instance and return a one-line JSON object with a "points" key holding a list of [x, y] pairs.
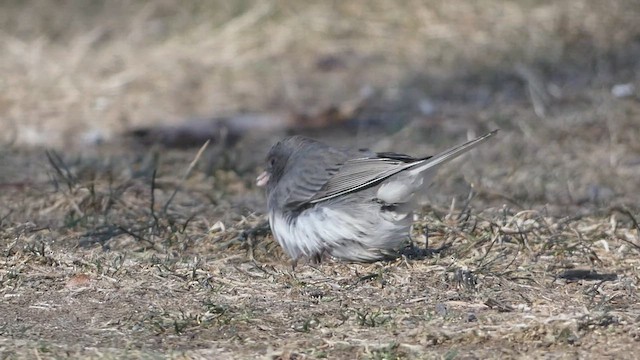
{"points": [[351, 205]]}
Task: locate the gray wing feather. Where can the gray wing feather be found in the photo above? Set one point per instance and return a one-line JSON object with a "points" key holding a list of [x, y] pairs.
{"points": [[357, 174], [307, 178], [360, 173]]}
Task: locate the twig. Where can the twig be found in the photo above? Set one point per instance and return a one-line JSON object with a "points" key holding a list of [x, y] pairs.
{"points": [[58, 165], [63, 171], [540, 98], [625, 211], [6, 216], [465, 206], [153, 197], [185, 176], [136, 236], [481, 262]]}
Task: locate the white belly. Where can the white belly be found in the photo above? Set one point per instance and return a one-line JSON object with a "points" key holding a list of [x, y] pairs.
{"points": [[364, 233]]}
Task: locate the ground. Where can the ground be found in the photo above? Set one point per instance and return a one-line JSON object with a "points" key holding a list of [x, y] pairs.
{"points": [[113, 247]]}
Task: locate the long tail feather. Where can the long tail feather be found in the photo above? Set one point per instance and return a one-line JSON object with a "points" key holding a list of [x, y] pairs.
{"points": [[450, 154]]}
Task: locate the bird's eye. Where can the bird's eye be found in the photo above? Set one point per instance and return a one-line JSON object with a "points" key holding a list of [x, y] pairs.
{"points": [[272, 161]]}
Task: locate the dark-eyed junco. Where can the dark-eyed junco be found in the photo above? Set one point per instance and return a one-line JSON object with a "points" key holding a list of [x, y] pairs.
{"points": [[352, 205]]}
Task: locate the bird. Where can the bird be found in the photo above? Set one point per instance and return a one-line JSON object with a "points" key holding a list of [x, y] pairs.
{"points": [[350, 205]]}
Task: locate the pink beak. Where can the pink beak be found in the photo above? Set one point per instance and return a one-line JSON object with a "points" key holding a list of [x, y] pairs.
{"points": [[262, 179]]}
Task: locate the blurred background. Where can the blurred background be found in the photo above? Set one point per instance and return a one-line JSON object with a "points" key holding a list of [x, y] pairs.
{"points": [[559, 78]]}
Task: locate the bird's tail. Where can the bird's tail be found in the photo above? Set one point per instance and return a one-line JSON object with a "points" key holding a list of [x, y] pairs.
{"points": [[450, 154]]}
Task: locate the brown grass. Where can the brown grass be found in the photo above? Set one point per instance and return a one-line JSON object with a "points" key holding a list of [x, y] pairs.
{"points": [[114, 250]]}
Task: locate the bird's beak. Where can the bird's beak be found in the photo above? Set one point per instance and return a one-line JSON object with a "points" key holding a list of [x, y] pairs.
{"points": [[262, 179]]}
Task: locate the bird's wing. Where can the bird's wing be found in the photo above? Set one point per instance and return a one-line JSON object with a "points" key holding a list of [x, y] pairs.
{"points": [[306, 178], [359, 173]]}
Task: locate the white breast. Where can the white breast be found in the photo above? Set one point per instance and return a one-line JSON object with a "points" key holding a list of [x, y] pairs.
{"points": [[359, 234]]}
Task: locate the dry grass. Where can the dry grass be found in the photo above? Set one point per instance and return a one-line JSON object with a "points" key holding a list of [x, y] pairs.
{"points": [[119, 251]]}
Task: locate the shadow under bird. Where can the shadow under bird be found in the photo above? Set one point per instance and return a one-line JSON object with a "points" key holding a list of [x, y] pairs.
{"points": [[351, 205]]}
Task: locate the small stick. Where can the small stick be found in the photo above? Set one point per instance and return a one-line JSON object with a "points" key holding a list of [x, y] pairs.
{"points": [[185, 176]]}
